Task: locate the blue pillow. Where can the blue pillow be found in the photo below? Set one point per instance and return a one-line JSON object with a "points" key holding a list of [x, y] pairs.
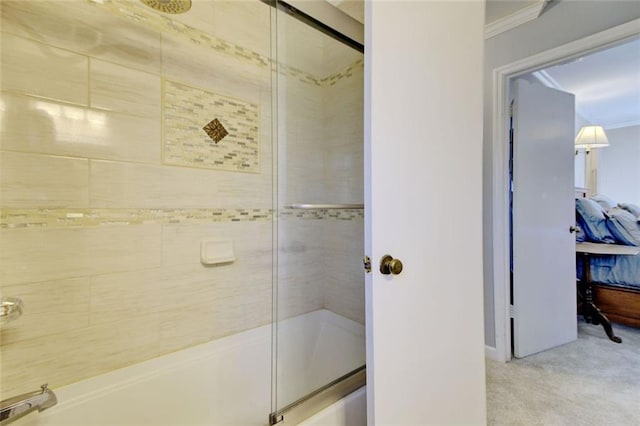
{"points": [[591, 218], [631, 208], [606, 202], [581, 237], [624, 227]]}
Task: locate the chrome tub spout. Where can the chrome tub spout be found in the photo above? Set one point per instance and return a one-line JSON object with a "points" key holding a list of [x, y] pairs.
{"points": [[14, 408]]}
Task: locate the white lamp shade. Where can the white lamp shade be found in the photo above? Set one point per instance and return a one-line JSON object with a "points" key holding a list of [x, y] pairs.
{"points": [[591, 137]]}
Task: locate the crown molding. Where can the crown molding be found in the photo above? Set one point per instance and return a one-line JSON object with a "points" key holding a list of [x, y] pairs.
{"points": [[520, 17], [620, 125], [543, 77]]}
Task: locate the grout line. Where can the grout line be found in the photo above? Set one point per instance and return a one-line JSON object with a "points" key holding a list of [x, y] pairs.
{"points": [[89, 181], [89, 81], [78, 157], [74, 104]]}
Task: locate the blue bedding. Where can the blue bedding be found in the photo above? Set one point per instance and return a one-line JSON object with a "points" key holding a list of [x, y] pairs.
{"points": [[617, 271], [612, 225]]}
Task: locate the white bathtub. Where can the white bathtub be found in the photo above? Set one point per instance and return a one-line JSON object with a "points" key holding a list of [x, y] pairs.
{"points": [[223, 382], [349, 411]]}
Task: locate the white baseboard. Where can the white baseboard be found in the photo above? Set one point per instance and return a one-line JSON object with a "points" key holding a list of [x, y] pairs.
{"points": [[491, 353]]}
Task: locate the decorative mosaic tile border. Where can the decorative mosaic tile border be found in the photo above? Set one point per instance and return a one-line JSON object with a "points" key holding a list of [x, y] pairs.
{"points": [[66, 218], [143, 15], [346, 73], [323, 214], [75, 218]]}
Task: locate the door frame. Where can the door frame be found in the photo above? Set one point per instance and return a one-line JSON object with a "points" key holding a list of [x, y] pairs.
{"points": [[502, 77]]}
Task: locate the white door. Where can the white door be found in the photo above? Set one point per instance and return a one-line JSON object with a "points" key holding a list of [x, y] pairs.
{"points": [[544, 267], [423, 205]]}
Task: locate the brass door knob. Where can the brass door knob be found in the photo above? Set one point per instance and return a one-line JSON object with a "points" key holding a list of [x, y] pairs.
{"points": [[389, 265]]}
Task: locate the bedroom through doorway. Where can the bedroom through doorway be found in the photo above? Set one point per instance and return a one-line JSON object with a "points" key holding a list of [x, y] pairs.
{"points": [[535, 72]]}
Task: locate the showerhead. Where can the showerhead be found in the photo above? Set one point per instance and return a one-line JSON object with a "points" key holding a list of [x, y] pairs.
{"points": [[169, 6]]}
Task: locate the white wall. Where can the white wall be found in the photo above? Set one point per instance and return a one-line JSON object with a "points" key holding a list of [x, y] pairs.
{"points": [[561, 23], [619, 165], [580, 163]]}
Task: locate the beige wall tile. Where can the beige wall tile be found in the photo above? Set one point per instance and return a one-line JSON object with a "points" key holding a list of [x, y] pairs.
{"points": [[166, 289], [300, 45], [32, 180], [300, 267], [245, 23], [199, 324], [258, 309], [345, 303], [50, 307], [215, 301], [345, 174], [219, 317], [145, 186], [64, 358], [337, 56], [252, 242], [203, 67], [344, 136], [343, 180], [32, 255], [64, 77], [41, 126], [294, 300], [86, 27], [200, 16], [301, 144], [252, 248], [183, 281], [120, 295], [344, 280], [117, 88]]}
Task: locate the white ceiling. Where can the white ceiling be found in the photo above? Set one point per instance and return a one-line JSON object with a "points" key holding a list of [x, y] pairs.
{"points": [[353, 8], [495, 9], [606, 85], [498, 9]]}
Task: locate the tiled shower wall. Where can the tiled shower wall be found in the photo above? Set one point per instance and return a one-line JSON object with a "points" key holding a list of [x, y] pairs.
{"points": [[102, 219], [100, 230], [320, 155], [344, 177]]}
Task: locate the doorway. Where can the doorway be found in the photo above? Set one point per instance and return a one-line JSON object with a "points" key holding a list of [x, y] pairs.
{"points": [[503, 78]]}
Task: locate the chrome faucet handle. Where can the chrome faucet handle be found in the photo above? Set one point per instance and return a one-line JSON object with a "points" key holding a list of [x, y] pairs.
{"points": [[10, 308]]}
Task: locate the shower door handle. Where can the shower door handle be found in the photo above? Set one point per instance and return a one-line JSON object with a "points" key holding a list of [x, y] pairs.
{"points": [[390, 266]]}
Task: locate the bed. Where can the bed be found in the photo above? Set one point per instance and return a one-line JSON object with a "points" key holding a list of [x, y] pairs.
{"points": [[608, 255]]}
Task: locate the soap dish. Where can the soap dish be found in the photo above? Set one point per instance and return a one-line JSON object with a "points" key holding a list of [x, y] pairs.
{"points": [[216, 251]]}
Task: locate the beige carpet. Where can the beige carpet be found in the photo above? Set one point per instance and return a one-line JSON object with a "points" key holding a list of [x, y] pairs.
{"points": [[592, 381]]}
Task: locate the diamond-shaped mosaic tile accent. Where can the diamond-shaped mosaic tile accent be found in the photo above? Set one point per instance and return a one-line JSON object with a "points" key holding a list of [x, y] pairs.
{"points": [[215, 130], [187, 143]]}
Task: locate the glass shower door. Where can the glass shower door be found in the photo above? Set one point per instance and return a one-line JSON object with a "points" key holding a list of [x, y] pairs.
{"points": [[319, 296]]}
